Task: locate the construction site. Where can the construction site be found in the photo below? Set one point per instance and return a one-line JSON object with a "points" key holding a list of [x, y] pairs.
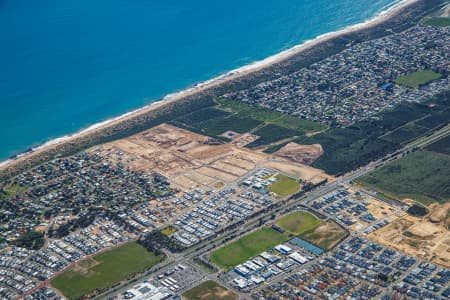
{"points": [[190, 160], [426, 237]]}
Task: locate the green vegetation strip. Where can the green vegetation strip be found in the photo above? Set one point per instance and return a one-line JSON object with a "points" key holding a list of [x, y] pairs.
{"points": [[284, 186], [405, 133], [269, 116], [217, 126], [275, 147], [422, 176], [247, 247], [209, 290], [349, 148], [437, 21], [104, 270], [441, 146], [242, 118], [271, 133], [298, 222], [415, 79]]}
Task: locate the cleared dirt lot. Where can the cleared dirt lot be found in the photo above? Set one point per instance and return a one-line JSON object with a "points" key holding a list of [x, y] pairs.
{"points": [[244, 139], [297, 170], [183, 182], [304, 154], [218, 175], [193, 160], [378, 209], [237, 171], [326, 235], [439, 213], [417, 236]]}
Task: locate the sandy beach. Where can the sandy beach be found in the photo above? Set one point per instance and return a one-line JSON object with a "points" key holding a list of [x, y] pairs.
{"points": [[206, 85]]}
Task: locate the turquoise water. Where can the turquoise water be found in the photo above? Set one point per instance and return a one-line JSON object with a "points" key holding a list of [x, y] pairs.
{"points": [[67, 64]]}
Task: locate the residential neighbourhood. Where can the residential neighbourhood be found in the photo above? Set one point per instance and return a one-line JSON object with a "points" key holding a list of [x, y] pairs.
{"points": [[208, 215], [359, 81], [368, 269]]}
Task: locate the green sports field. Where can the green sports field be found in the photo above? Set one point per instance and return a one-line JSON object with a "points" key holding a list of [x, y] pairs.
{"points": [[11, 190], [413, 80], [104, 270], [246, 247], [284, 186], [298, 222]]}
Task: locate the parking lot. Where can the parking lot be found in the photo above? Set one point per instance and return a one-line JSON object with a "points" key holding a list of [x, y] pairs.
{"points": [[170, 283]]}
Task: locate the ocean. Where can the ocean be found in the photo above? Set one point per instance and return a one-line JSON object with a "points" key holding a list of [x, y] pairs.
{"points": [[68, 64]]}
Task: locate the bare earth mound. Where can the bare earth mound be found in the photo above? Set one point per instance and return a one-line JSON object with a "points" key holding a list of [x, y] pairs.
{"points": [[439, 213], [425, 230], [304, 154]]}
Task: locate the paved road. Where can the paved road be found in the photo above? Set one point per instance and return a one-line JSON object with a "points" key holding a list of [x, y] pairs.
{"points": [[343, 181]]}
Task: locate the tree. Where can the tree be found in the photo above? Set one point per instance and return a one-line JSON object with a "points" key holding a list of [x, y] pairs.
{"points": [[155, 241], [63, 230], [417, 210], [32, 240], [48, 214]]}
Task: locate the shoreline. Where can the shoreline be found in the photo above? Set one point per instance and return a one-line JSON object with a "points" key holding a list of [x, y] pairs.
{"points": [[197, 89]]}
